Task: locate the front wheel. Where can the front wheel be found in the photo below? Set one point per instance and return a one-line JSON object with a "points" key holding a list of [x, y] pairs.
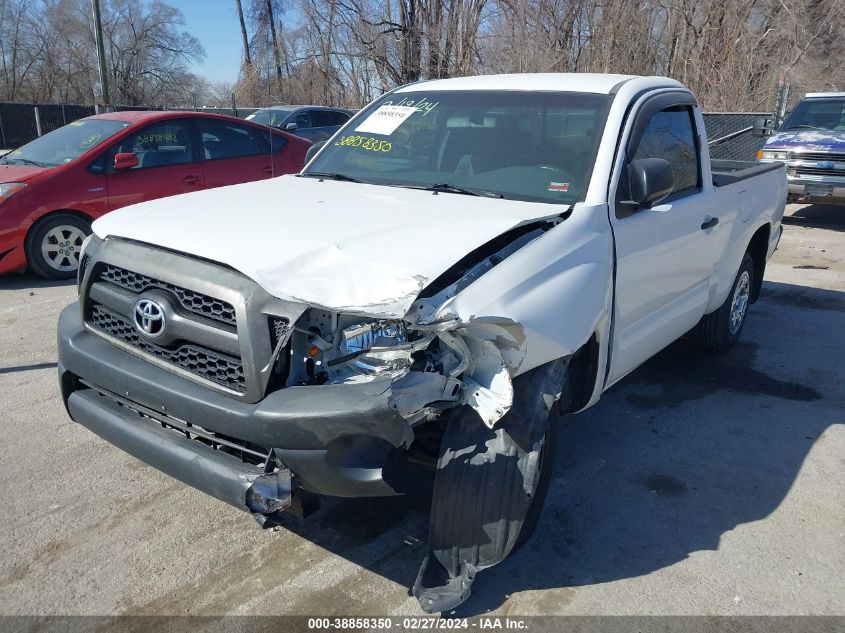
{"points": [[720, 330], [489, 488], [54, 244]]}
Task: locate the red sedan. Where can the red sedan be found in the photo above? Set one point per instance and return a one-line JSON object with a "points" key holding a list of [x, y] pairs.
{"points": [[53, 188]]}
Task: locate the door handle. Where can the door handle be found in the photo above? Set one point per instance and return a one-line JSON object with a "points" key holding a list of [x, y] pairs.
{"points": [[191, 180], [268, 169], [709, 224]]}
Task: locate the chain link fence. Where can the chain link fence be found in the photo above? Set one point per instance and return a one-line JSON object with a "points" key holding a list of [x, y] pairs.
{"points": [[22, 122], [736, 129]]}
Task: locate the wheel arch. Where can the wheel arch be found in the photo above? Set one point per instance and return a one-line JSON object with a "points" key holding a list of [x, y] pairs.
{"points": [[582, 376], [46, 216], [29, 247], [758, 248]]}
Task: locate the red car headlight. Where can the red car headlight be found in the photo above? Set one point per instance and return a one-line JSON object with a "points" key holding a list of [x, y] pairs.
{"points": [[8, 189]]}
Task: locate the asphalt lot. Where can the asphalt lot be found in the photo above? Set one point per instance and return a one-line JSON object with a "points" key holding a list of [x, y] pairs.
{"points": [[702, 484]]}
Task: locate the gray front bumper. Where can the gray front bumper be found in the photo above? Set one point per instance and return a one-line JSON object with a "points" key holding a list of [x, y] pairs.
{"points": [[802, 187], [334, 438], [218, 474]]}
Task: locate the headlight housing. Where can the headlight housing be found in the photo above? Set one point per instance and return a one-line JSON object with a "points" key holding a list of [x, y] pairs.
{"points": [[774, 155], [380, 347], [8, 189], [378, 334]]}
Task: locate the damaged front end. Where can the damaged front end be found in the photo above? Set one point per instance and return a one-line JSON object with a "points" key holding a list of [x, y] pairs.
{"points": [[435, 359], [460, 372], [432, 367], [338, 401]]}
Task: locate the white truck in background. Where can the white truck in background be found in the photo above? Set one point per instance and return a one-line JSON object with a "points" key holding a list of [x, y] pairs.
{"points": [[463, 263]]}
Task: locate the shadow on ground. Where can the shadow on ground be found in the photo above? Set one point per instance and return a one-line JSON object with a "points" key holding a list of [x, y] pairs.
{"points": [[643, 479], [22, 281], [819, 215], [21, 368]]}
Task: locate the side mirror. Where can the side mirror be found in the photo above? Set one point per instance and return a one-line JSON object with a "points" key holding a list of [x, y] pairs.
{"points": [[650, 180], [293, 125], [125, 160], [313, 150], [762, 127]]}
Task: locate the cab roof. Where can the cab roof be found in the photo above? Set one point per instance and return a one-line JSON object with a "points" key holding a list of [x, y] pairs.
{"points": [[596, 83], [144, 116]]}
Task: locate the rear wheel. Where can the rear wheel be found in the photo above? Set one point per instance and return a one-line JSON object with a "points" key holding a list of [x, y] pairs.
{"points": [[54, 244], [720, 330]]}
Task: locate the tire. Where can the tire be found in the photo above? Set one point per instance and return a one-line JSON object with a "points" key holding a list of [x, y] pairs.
{"points": [[720, 330], [482, 507], [544, 472], [54, 243], [489, 488]]}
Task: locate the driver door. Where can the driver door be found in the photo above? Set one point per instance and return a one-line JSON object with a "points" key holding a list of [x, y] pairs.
{"points": [[665, 257]]}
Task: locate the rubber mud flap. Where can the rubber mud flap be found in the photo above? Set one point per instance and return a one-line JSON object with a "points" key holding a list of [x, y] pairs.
{"points": [[485, 482]]}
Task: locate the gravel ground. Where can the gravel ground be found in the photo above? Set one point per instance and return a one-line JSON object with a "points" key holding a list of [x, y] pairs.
{"points": [[701, 484]]}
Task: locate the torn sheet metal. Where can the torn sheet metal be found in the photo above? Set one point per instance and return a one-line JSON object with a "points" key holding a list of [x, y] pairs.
{"points": [[491, 352], [490, 391], [413, 393], [269, 496]]}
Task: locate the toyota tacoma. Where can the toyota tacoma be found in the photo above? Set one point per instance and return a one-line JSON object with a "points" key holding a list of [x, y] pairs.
{"points": [[461, 265]]}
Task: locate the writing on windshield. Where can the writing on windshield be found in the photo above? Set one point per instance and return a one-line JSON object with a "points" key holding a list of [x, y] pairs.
{"points": [[517, 145]]}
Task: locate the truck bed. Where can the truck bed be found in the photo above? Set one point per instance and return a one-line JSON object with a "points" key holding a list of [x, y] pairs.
{"points": [[728, 172]]}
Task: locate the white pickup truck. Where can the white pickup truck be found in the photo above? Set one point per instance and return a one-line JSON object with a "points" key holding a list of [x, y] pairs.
{"points": [[463, 263]]}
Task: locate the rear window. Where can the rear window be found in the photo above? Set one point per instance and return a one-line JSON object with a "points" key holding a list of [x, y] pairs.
{"points": [[323, 118], [271, 117], [222, 139]]}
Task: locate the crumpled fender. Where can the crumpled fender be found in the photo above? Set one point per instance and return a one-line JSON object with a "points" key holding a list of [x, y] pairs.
{"points": [[540, 303]]}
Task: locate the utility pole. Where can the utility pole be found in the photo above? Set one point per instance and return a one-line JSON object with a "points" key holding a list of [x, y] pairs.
{"points": [[101, 53]]}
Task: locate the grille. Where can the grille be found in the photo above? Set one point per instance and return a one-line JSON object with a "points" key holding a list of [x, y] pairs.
{"points": [[819, 171], [817, 156], [193, 301], [217, 368], [278, 330]]}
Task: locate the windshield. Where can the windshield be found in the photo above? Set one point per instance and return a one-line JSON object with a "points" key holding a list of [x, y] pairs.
{"points": [[65, 144], [818, 114], [536, 146], [273, 117]]}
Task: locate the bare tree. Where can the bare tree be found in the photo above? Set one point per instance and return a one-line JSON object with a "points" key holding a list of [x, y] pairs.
{"points": [[732, 53], [244, 38]]}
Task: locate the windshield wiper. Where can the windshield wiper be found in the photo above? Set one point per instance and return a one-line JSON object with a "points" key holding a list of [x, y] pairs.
{"points": [[25, 161], [448, 188], [809, 127], [331, 176]]}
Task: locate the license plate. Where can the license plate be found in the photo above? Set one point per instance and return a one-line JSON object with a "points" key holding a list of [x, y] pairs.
{"points": [[818, 191]]}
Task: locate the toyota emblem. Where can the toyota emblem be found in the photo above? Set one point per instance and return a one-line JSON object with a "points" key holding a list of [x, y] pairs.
{"points": [[149, 318]]}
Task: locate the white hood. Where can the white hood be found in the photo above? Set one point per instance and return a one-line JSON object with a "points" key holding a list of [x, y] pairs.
{"points": [[350, 247]]}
